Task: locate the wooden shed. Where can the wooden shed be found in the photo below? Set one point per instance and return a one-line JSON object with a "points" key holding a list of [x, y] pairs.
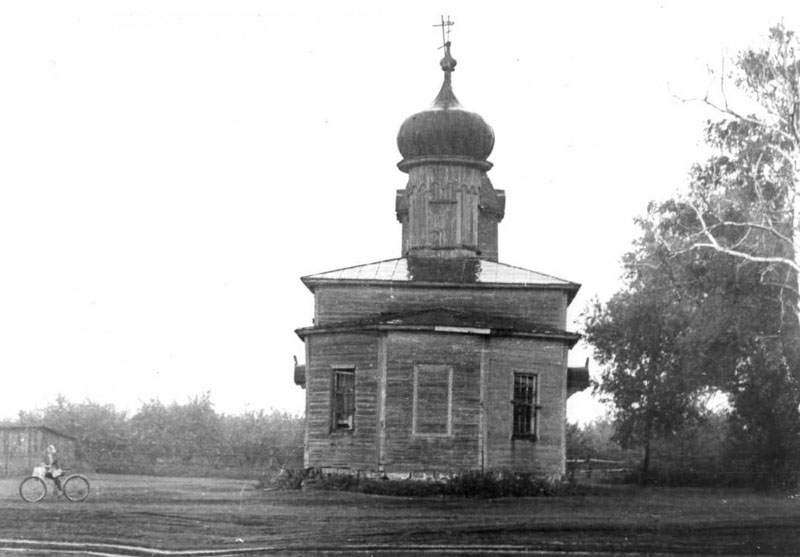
{"points": [[24, 446], [442, 360]]}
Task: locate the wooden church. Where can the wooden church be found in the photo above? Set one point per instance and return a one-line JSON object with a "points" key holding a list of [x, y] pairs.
{"points": [[443, 360]]}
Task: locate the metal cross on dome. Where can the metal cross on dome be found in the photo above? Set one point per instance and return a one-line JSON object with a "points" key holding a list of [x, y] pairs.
{"points": [[445, 34]]}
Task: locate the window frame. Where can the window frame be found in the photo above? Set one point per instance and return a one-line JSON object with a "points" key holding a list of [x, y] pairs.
{"points": [[336, 424], [528, 404], [415, 401]]}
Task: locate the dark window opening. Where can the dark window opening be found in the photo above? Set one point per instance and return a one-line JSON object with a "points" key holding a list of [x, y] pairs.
{"points": [[525, 407], [344, 399]]}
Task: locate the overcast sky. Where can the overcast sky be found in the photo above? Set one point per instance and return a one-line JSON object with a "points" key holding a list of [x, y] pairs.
{"points": [[168, 170]]}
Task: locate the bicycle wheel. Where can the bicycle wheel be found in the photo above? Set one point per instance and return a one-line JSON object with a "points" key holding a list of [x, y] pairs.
{"points": [[32, 489], [76, 488]]}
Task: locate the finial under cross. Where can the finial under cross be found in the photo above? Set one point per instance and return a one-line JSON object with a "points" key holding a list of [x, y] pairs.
{"points": [[445, 25]]}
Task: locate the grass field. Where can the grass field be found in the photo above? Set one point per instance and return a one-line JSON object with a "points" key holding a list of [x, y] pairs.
{"points": [[171, 514]]}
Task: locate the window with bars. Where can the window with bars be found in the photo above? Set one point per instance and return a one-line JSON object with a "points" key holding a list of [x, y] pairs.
{"points": [[344, 399], [524, 404]]}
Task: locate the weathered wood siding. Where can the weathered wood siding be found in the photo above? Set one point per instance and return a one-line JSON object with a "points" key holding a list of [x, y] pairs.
{"points": [[487, 236], [547, 359], [339, 303], [458, 450], [355, 449], [443, 206], [457, 370], [22, 448]]}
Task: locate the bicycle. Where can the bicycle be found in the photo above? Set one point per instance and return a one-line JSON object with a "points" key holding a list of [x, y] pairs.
{"points": [[33, 488]]}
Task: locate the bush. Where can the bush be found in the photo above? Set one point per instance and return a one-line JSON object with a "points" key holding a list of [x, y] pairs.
{"points": [[483, 485], [285, 479], [488, 485]]}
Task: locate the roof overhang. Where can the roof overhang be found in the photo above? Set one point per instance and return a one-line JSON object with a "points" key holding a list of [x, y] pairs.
{"points": [[28, 427], [564, 336], [444, 321]]}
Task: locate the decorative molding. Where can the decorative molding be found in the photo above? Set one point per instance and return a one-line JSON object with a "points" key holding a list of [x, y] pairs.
{"points": [[406, 164]]}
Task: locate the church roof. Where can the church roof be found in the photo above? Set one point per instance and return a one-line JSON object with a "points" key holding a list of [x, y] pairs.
{"points": [[442, 271], [445, 320]]}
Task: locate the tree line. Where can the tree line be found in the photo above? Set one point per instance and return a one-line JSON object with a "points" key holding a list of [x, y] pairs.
{"points": [[709, 303], [175, 438]]}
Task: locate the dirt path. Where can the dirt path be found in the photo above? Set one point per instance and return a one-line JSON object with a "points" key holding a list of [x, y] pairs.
{"points": [[31, 547], [142, 516]]}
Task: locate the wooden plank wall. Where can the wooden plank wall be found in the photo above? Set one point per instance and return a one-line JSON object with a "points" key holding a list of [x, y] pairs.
{"points": [[487, 236], [352, 449], [23, 448], [339, 303], [443, 206], [458, 451], [472, 443], [547, 359]]}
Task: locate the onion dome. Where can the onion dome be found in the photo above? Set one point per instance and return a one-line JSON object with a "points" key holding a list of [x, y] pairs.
{"points": [[445, 131]]}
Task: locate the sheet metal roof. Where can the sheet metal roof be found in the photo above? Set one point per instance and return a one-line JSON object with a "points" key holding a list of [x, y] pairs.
{"points": [[402, 270]]}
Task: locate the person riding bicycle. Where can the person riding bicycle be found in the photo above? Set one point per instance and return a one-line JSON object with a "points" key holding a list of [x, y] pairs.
{"points": [[53, 470]]}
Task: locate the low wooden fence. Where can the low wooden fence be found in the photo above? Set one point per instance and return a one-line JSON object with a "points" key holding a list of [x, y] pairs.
{"points": [[591, 470]]}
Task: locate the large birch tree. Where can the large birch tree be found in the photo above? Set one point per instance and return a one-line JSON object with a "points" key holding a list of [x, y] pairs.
{"points": [[711, 300], [746, 198]]}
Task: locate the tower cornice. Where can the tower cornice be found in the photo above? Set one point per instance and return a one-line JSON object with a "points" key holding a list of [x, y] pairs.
{"points": [[449, 160]]}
